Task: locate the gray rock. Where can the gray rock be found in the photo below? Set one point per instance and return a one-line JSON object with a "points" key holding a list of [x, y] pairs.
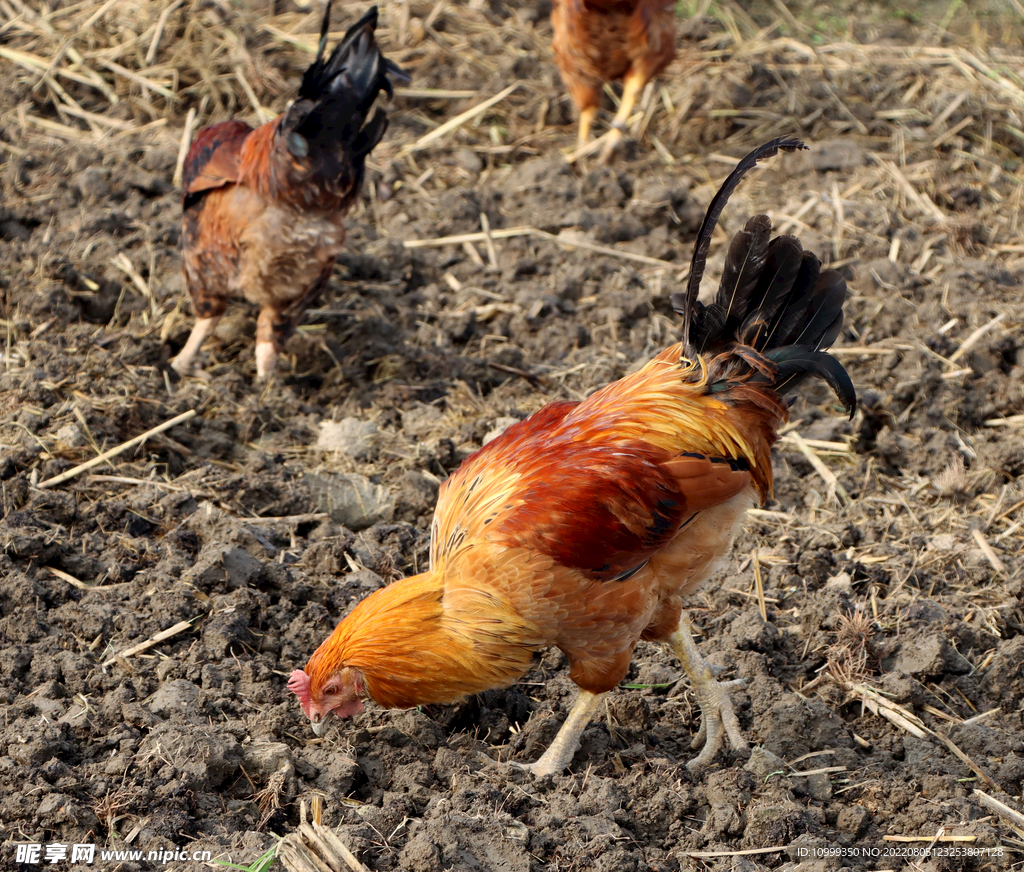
{"points": [[469, 160], [174, 696], [763, 763], [853, 819], [349, 436], [365, 578], [930, 655], [819, 787], [350, 499], [216, 565], [70, 435], [93, 183], [421, 420], [841, 583]]}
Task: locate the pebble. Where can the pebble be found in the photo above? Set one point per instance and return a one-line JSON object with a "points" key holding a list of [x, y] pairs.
{"points": [[351, 499]]}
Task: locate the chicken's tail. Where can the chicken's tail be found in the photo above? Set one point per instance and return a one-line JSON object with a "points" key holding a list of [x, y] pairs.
{"points": [[326, 130], [775, 311]]}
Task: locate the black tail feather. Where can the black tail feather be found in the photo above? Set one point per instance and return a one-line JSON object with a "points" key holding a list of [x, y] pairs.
{"points": [[774, 288], [775, 311], [792, 314], [794, 364], [707, 227], [744, 266], [336, 96]]}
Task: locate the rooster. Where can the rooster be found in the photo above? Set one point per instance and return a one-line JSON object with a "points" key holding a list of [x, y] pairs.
{"points": [[583, 526], [597, 41], [263, 208]]}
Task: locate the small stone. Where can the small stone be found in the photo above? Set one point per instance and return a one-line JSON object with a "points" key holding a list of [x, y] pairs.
{"points": [[930, 655], [349, 436], [469, 160], [421, 420], [852, 819], [174, 696], [365, 578], [418, 492], [352, 500], [841, 583], [93, 183], [819, 787], [263, 759], [763, 763]]}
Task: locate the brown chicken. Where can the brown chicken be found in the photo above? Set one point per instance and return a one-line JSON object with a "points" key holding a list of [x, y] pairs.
{"points": [[263, 208], [598, 41], [583, 526]]}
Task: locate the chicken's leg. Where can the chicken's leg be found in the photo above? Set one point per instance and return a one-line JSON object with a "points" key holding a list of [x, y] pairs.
{"points": [[587, 117], [633, 84], [718, 718], [272, 329], [182, 362], [561, 751], [266, 358]]}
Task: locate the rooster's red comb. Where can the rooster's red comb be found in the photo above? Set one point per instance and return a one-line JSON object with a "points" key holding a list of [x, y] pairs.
{"points": [[298, 684]]}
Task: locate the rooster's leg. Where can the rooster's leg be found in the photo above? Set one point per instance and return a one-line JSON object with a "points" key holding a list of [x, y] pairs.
{"points": [[632, 85], [587, 117], [272, 329], [266, 358], [718, 718], [182, 363], [561, 751]]}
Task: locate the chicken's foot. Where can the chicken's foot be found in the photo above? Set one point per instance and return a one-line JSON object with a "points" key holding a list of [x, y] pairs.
{"points": [[718, 717], [632, 85], [182, 362], [565, 745]]}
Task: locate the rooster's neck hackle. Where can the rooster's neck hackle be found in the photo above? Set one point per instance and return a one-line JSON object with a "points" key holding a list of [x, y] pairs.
{"points": [[410, 648]]}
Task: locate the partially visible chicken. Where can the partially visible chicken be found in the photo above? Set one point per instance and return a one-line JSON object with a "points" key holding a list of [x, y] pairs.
{"points": [[263, 208], [583, 526], [598, 41]]}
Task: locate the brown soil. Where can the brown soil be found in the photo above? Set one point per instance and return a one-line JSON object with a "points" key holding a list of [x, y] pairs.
{"points": [[902, 575]]}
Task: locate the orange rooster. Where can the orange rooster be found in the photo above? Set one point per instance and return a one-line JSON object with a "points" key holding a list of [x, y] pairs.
{"points": [[598, 41], [263, 208], [583, 526]]}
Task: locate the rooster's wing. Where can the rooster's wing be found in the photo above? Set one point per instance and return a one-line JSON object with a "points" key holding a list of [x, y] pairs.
{"points": [[560, 484], [214, 159]]}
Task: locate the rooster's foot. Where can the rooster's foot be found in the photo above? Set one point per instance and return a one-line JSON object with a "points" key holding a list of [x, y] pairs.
{"points": [[718, 722], [616, 135]]}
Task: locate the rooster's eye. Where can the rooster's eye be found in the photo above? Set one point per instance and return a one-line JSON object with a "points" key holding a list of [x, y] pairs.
{"points": [[332, 690]]}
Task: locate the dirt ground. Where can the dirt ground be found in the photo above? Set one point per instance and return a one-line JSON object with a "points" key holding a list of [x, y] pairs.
{"points": [[885, 692]]}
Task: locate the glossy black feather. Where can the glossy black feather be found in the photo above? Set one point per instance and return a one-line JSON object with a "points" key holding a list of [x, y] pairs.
{"points": [[744, 266], [707, 228], [794, 364], [775, 310], [827, 305], [335, 97], [774, 289], [792, 314]]}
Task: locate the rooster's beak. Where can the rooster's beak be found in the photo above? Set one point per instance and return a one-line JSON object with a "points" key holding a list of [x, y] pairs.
{"points": [[319, 723]]}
